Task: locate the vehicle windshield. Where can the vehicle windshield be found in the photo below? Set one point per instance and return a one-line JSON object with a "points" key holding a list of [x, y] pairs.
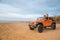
{"points": [[40, 18]]}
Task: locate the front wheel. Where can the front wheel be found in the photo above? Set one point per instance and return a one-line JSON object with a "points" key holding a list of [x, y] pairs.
{"points": [[40, 28], [53, 26]]}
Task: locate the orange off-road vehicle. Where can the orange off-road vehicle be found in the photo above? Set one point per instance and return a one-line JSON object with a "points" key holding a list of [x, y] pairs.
{"points": [[42, 23]]}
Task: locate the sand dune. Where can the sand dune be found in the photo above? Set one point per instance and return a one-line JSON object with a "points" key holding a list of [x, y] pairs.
{"points": [[20, 31]]}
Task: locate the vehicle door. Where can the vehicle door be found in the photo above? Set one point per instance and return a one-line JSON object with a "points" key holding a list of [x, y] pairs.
{"points": [[49, 21], [46, 21]]}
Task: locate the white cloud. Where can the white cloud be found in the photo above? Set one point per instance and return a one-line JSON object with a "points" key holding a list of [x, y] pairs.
{"points": [[9, 12], [15, 15], [13, 9], [5, 8]]}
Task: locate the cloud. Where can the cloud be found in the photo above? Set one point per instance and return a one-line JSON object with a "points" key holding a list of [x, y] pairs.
{"points": [[18, 9], [35, 6], [8, 12]]}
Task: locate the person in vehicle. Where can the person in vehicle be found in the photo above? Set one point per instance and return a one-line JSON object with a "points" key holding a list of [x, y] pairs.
{"points": [[46, 17]]}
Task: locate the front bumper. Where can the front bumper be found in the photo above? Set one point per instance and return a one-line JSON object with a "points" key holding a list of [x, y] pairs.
{"points": [[32, 25]]}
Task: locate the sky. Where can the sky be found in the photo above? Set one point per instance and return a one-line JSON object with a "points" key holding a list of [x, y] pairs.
{"points": [[28, 9]]}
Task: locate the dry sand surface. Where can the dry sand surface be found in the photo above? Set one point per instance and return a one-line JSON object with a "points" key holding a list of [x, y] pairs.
{"points": [[20, 31]]}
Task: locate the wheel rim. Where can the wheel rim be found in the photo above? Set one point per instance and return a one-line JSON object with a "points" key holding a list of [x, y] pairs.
{"points": [[40, 28]]}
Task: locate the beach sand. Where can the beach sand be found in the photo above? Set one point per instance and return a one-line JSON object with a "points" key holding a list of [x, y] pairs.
{"points": [[21, 31]]}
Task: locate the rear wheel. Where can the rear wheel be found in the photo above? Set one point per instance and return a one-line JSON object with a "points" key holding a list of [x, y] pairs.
{"points": [[40, 28], [31, 27], [53, 26]]}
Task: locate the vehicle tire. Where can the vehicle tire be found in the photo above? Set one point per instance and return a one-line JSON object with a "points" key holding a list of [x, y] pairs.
{"points": [[45, 27], [31, 27], [53, 26], [40, 28]]}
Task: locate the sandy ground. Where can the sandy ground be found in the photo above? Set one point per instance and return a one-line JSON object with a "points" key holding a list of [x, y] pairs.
{"points": [[20, 31]]}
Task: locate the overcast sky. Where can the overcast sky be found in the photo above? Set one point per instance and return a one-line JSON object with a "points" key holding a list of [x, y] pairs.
{"points": [[16, 9]]}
